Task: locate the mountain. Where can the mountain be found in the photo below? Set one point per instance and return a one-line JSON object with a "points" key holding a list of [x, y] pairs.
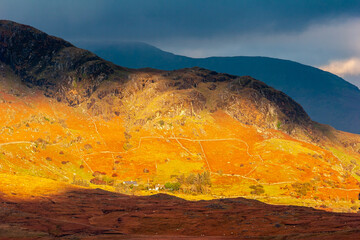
{"points": [[326, 97], [71, 121]]}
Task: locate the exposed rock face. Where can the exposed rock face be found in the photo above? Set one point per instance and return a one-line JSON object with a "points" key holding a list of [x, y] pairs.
{"points": [[268, 101]]}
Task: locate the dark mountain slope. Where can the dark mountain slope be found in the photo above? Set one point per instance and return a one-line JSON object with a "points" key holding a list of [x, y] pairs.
{"points": [[52, 64], [326, 97]]}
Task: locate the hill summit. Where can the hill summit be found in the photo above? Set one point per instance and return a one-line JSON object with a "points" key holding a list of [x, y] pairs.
{"points": [[326, 97]]}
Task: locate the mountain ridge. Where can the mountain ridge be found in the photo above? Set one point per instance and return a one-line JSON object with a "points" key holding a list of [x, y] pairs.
{"points": [[79, 119], [326, 97], [73, 75]]}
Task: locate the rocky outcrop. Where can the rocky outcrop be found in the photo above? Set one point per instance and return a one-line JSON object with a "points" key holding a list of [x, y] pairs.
{"points": [[241, 96]]}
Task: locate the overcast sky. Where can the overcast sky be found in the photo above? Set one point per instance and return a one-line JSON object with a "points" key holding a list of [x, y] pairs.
{"points": [[322, 33]]}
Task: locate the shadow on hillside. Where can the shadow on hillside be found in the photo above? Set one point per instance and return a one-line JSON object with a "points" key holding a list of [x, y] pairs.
{"points": [[98, 214]]}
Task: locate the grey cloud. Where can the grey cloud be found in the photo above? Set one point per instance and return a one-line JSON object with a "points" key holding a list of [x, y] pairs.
{"points": [[145, 20], [277, 28]]}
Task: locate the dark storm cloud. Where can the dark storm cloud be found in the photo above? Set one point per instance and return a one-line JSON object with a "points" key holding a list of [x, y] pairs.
{"points": [[314, 32], [146, 20]]}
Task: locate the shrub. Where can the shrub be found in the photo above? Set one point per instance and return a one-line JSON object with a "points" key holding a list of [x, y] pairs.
{"points": [[127, 146], [80, 182], [257, 189], [127, 135], [191, 179], [301, 188], [195, 183], [349, 167], [172, 186], [88, 146], [98, 181]]}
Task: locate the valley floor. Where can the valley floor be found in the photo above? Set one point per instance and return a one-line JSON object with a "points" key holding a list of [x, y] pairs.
{"points": [[78, 213]]}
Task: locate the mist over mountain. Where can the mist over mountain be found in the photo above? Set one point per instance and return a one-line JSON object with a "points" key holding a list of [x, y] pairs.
{"points": [[326, 97]]}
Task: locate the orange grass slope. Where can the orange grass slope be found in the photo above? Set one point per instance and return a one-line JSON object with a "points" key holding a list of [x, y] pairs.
{"points": [[91, 123], [44, 138]]}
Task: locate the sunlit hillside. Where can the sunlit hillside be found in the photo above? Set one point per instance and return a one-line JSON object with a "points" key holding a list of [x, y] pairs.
{"points": [[159, 132]]}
